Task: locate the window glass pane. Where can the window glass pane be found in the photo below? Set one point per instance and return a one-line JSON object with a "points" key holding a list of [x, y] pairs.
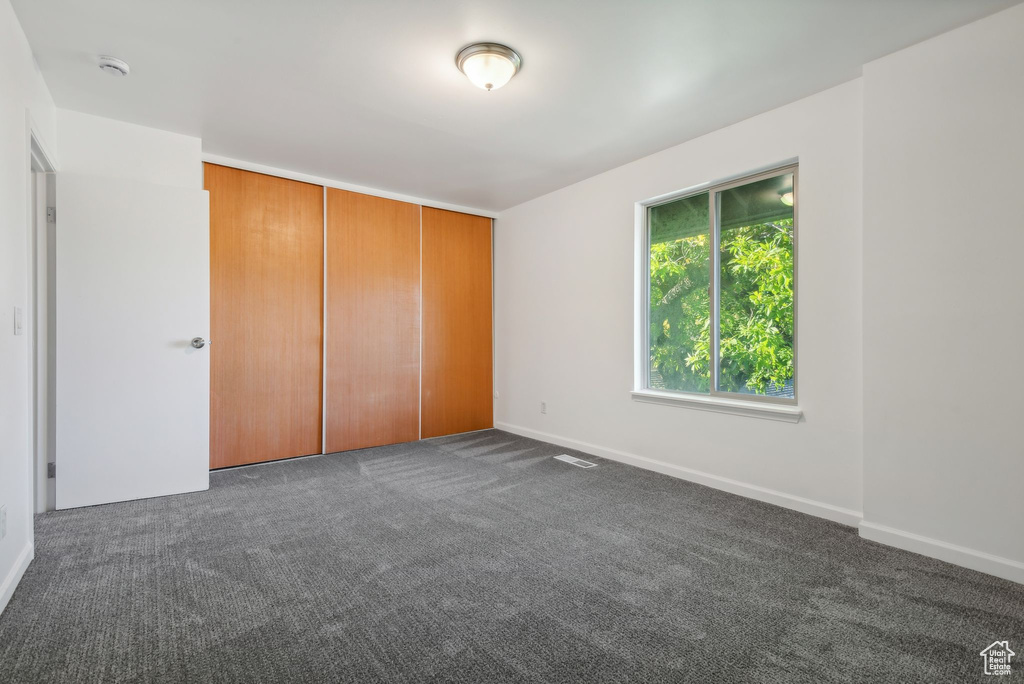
{"points": [[680, 270], [756, 288]]}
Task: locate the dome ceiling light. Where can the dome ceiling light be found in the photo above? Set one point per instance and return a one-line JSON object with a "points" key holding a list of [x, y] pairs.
{"points": [[488, 65]]}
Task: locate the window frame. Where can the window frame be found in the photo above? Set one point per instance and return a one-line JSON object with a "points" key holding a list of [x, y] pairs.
{"points": [[783, 408]]}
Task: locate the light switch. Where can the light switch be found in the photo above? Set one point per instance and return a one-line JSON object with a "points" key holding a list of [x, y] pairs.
{"points": [[19, 325]]}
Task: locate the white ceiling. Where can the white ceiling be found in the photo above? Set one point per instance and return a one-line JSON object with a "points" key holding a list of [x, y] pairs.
{"points": [[366, 91]]}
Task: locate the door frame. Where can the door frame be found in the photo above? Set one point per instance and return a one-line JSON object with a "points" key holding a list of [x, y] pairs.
{"points": [[40, 248]]}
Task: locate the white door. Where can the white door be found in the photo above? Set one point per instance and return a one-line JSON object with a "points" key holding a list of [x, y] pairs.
{"points": [[132, 290]]}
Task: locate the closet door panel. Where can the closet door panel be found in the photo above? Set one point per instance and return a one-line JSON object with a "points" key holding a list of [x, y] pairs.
{"points": [[457, 351], [372, 321], [266, 300]]}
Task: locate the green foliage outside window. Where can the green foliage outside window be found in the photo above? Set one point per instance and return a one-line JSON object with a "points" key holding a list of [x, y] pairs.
{"points": [[756, 310]]}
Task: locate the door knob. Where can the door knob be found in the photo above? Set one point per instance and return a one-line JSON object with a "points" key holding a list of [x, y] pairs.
{"points": [[198, 342]]}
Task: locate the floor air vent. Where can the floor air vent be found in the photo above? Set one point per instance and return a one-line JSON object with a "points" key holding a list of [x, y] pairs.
{"points": [[575, 461]]}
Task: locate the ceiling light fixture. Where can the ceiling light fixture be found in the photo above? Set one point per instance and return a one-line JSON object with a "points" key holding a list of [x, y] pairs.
{"points": [[786, 198], [114, 66], [488, 65]]}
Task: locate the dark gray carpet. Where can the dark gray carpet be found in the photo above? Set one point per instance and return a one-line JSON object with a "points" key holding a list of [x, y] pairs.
{"points": [[478, 558]]}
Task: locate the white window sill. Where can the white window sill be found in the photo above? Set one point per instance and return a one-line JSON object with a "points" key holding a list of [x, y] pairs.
{"points": [[737, 407]]}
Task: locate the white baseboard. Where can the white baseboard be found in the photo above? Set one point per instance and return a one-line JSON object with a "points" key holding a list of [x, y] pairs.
{"points": [[14, 576], [908, 541], [951, 553], [796, 503]]}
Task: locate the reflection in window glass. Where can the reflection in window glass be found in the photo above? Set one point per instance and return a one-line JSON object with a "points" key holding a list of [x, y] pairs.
{"points": [[755, 285]]}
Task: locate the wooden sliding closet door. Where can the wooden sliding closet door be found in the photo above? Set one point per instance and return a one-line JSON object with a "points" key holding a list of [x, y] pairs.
{"points": [[372, 321], [457, 374], [266, 303]]}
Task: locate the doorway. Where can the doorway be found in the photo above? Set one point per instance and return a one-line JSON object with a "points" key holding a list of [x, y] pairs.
{"points": [[39, 320]]}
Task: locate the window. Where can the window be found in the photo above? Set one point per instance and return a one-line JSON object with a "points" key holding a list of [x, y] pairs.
{"points": [[719, 276]]}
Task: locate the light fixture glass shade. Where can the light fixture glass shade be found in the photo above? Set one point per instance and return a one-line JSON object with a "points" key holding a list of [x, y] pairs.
{"points": [[787, 198], [488, 65]]}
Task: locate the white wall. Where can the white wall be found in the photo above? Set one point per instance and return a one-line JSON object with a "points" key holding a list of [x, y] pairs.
{"points": [[23, 94], [943, 298], [564, 315], [98, 146]]}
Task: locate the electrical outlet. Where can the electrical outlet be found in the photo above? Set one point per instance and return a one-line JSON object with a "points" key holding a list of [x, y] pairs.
{"points": [[3, 521], [544, 407]]}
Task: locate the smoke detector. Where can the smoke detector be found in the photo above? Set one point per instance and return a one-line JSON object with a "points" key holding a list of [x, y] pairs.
{"points": [[114, 66]]}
